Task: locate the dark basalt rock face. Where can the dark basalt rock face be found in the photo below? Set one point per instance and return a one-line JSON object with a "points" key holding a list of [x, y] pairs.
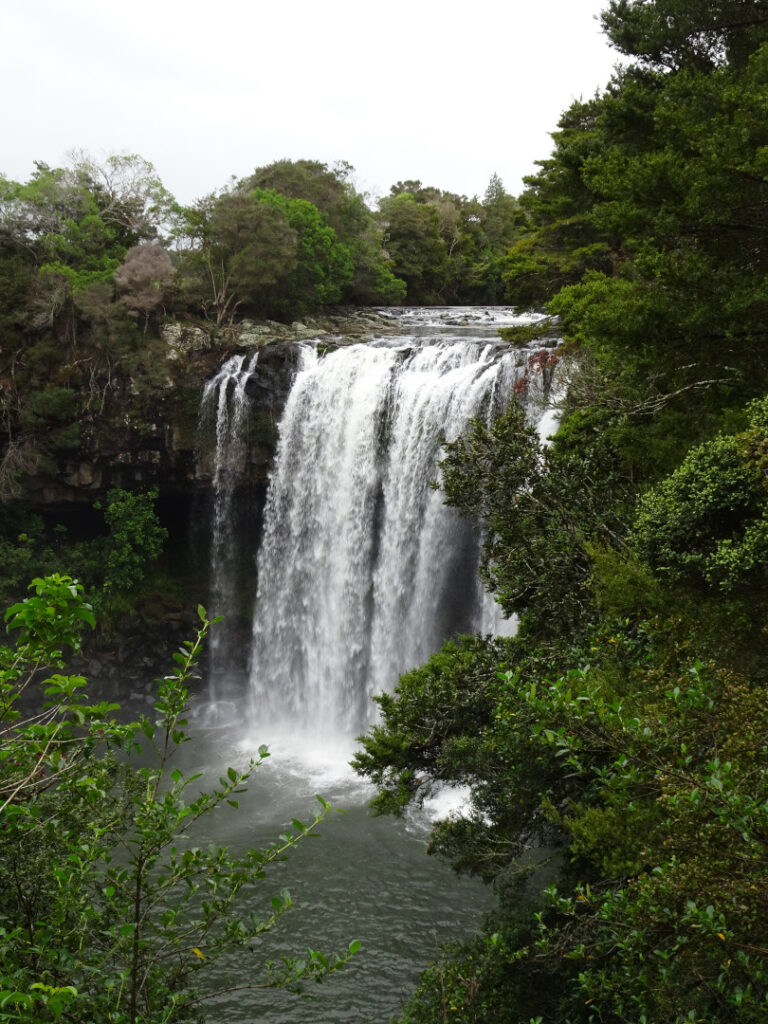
{"points": [[144, 432], [150, 439]]}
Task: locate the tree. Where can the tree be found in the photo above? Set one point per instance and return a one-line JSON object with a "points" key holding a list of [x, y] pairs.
{"points": [[143, 278], [539, 508], [136, 536], [620, 777], [264, 252], [127, 191], [617, 758], [108, 910], [237, 246], [413, 241], [649, 217], [504, 219], [323, 263], [558, 203], [494, 225], [330, 189], [447, 247], [705, 525], [75, 224], [68, 214], [670, 34]]}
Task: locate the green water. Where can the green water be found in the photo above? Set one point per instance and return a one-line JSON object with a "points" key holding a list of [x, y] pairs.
{"points": [[365, 878]]}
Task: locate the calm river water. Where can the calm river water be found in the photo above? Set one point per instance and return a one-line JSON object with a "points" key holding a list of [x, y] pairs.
{"points": [[363, 878]]}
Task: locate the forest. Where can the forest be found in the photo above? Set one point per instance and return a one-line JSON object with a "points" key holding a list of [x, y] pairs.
{"points": [[616, 748]]}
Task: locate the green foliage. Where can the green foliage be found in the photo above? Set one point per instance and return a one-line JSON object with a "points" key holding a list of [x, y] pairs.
{"points": [[677, 33], [412, 238], [18, 550], [479, 982], [706, 523], [42, 1002], [440, 727], [323, 264], [598, 759], [448, 248], [678, 790], [64, 235], [108, 911], [524, 334], [52, 414], [650, 777], [237, 247], [627, 773], [55, 403], [78, 223], [622, 584], [136, 536], [28, 546], [412, 751], [539, 507], [16, 275], [332, 192], [118, 564], [262, 251], [646, 219], [564, 243]]}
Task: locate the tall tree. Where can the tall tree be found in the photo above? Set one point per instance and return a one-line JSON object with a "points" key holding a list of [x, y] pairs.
{"points": [[263, 252], [672, 34], [76, 224], [331, 190], [413, 240]]}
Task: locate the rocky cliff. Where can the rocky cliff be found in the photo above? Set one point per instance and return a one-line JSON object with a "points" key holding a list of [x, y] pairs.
{"points": [[142, 429]]}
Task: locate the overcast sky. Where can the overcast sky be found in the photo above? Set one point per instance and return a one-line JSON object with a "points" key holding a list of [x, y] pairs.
{"points": [[448, 93]]}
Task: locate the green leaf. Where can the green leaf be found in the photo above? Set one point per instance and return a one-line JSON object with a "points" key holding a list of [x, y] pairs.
{"points": [[17, 998]]}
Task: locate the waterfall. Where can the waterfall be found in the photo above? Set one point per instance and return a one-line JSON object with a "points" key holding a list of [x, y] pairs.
{"points": [[362, 570], [224, 413]]}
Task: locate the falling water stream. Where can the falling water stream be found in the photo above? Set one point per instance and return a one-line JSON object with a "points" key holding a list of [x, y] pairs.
{"points": [[225, 409], [362, 573]]}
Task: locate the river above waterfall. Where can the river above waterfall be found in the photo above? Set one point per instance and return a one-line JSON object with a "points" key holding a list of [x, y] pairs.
{"points": [[361, 572]]}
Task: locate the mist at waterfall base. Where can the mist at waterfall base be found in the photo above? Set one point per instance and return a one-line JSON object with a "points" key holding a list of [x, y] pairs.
{"points": [[362, 573]]}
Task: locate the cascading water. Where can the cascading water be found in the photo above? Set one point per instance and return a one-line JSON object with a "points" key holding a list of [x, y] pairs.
{"points": [[362, 570], [225, 408]]}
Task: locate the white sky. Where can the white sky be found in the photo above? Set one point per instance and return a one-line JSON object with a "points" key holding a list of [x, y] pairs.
{"points": [[446, 92]]}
